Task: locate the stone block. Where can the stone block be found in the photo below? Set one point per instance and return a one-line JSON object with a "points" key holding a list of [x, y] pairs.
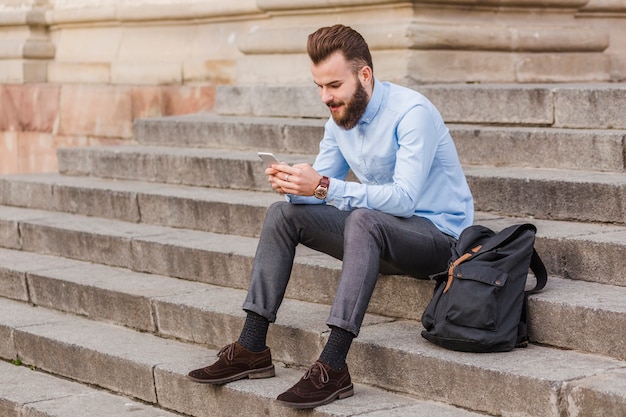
{"points": [[96, 202], [78, 238], [146, 73], [212, 71], [23, 388], [270, 101], [36, 152], [593, 256], [65, 348], [74, 161], [590, 107], [602, 395], [101, 111], [197, 256], [562, 67], [8, 152], [76, 44], [428, 67], [99, 293], [79, 72], [18, 71], [582, 195], [208, 316], [29, 107], [147, 101], [535, 372], [187, 99], [200, 213], [13, 285], [20, 192], [595, 150], [489, 104], [582, 317]]}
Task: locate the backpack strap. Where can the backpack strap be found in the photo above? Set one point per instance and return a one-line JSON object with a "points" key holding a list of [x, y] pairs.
{"points": [[541, 275], [460, 260]]}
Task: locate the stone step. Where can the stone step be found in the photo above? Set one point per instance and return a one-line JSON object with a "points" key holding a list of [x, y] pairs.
{"points": [[210, 209], [540, 193], [579, 106], [152, 370], [28, 393], [565, 317], [593, 150], [387, 356], [549, 193], [204, 167], [590, 252]]}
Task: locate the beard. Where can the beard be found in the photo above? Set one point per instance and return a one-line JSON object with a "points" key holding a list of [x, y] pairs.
{"points": [[353, 110]]}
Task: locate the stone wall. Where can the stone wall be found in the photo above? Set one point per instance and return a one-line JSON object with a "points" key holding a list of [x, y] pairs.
{"points": [[78, 72]]}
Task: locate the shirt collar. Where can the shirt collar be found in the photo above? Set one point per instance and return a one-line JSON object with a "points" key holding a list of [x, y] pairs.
{"points": [[376, 101]]}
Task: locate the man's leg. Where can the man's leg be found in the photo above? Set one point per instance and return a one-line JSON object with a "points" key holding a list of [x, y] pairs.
{"points": [[285, 226], [373, 242], [377, 242]]}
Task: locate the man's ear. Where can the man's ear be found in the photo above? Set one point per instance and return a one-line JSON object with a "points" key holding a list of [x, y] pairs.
{"points": [[365, 76]]}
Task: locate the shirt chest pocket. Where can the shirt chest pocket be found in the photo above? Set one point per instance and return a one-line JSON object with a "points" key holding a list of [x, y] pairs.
{"points": [[380, 166]]}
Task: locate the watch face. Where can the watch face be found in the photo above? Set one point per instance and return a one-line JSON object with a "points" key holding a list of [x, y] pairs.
{"points": [[321, 192]]}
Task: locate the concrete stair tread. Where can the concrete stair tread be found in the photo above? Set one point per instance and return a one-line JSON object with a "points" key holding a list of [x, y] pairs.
{"points": [[151, 369], [587, 106], [568, 313], [148, 367], [479, 144], [549, 175], [517, 188], [572, 249], [52, 396]]}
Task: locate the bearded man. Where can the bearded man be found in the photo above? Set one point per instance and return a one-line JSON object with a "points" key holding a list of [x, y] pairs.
{"points": [[409, 206]]}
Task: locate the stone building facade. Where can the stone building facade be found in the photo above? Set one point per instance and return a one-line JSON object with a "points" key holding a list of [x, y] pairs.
{"points": [[78, 72]]}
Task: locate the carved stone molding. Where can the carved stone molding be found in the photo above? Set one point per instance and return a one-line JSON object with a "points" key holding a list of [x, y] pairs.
{"points": [[25, 45]]}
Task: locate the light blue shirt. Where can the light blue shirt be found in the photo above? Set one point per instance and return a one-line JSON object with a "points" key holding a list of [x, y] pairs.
{"points": [[404, 157]]}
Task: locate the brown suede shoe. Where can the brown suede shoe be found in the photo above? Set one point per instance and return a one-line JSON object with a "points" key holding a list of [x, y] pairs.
{"points": [[235, 362], [320, 385]]}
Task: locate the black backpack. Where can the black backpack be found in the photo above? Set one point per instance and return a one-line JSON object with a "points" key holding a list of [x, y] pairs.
{"points": [[479, 303]]}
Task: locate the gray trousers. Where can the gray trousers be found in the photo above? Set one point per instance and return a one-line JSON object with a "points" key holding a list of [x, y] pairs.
{"points": [[368, 242]]}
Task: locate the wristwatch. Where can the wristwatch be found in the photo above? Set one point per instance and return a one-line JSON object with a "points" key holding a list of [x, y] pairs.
{"points": [[322, 188]]}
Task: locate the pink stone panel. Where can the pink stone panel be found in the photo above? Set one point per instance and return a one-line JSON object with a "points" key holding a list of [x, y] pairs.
{"points": [[36, 152], [96, 111], [188, 99], [146, 102], [8, 152], [29, 107]]}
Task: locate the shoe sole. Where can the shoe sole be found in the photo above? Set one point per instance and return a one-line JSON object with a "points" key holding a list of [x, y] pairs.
{"points": [[253, 374], [338, 395]]}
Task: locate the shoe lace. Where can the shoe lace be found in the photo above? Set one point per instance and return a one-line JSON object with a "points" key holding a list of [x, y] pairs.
{"points": [[229, 351], [324, 378]]}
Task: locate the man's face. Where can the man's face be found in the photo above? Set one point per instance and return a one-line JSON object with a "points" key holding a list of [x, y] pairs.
{"points": [[341, 90]]}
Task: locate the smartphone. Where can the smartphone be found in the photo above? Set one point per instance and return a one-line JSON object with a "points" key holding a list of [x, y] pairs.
{"points": [[268, 158]]}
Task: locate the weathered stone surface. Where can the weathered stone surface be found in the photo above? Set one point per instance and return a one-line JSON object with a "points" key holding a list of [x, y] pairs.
{"points": [[583, 106], [34, 107], [96, 110], [601, 395]]}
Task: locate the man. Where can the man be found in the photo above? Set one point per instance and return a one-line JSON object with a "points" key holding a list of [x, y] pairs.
{"points": [[410, 204]]}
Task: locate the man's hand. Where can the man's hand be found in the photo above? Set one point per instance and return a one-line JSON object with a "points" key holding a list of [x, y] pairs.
{"points": [[297, 179]]}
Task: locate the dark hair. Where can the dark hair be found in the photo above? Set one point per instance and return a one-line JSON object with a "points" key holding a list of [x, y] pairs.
{"points": [[325, 41]]}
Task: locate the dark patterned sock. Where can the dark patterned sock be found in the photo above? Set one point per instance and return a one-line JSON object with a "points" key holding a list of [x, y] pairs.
{"points": [[254, 332], [336, 349]]}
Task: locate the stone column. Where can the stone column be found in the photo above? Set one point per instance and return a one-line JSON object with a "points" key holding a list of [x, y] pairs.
{"points": [[25, 46], [609, 16]]}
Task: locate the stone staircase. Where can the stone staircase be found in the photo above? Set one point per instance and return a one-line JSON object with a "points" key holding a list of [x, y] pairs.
{"points": [[128, 268]]}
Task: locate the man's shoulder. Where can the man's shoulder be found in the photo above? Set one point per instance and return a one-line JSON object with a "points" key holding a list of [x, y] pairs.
{"points": [[400, 98]]}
